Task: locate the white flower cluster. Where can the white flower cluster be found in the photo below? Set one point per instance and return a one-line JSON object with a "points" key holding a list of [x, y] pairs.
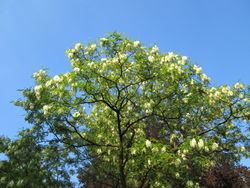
{"points": [[123, 57], [76, 69], [76, 115], [190, 184], [214, 95], [92, 46], [91, 64], [38, 89], [39, 75], [57, 78], [193, 143], [227, 91], [200, 144], [154, 49], [242, 148], [214, 146], [198, 70], [102, 41], [238, 86], [184, 60], [148, 143], [204, 77], [169, 57], [151, 58], [78, 46], [90, 49], [46, 109], [136, 43], [177, 162], [70, 53]]}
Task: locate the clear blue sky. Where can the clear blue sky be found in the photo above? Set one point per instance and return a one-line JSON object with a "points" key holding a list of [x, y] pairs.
{"points": [[34, 34]]}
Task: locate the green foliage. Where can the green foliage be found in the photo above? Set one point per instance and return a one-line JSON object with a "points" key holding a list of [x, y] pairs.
{"points": [[32, 162], [135, 116]]}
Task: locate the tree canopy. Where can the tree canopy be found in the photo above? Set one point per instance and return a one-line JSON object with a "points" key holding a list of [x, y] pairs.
{"points": [[128, 115]]}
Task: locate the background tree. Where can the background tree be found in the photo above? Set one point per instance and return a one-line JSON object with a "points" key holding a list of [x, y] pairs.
{"points": [[225, 175], [32, 162], [141, 116]]}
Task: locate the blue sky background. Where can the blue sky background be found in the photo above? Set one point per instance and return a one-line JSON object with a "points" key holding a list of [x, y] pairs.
{"points": [[34, 34]]}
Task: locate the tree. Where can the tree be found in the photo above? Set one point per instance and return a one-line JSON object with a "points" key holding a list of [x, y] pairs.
{"points": [[138, 117], [225, 175], [31, 162]]}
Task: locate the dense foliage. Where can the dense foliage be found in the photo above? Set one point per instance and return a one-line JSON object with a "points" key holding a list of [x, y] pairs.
{"points": [[31, 162], [225, 175], [128, 115]]}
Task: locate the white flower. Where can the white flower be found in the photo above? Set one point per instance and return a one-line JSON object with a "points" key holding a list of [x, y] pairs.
{"points": [[242, 149], [214, 146], [183, 156], [177, 162], [57, 78], [93, 46], [190, 183], [133, 152], [246, 100], [99, 151], [197, 69], [115, 60], [155, 149], [157, 183], [102, 40], [185, 151], [76, 69], [149, 162], [136, 43], [192, 82], [60, 111], [200, 143], [38, 88], [177, 175], [46, 109], [78, 46], [76, 114], [193, 142], [163, 149], [184, 60], [238, 86], [49, 83], [70, 55], [154, 49], [171, 55], [91, 64], [217, 94], [185, 100], [205, 77], [151, 58], [230, 93], [147, 105], [241, 96], [86, 52], [123, 56], [206, 149], [148, 143], [40, 73]]}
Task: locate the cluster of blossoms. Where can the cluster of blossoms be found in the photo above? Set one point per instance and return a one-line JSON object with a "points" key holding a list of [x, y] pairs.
{"points": [[238, 86], [40, 75], [201, 145]]}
